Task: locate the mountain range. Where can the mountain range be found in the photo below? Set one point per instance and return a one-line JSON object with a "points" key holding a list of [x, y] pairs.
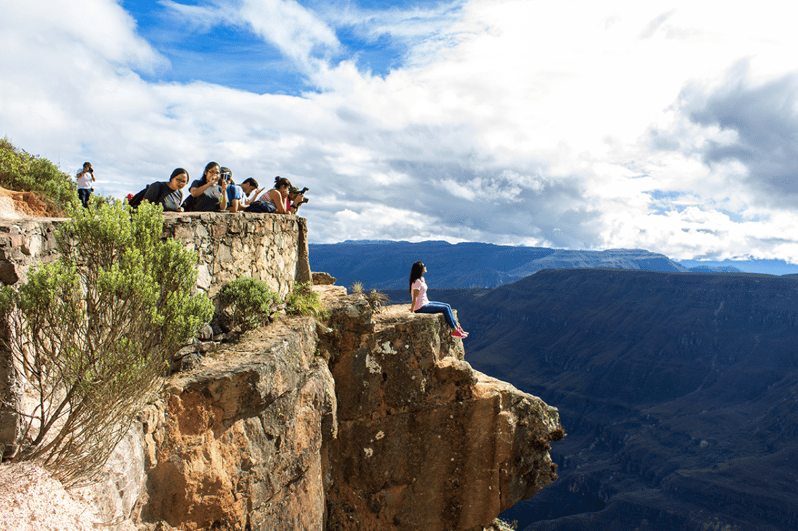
{"points": [[386, 264], [678, 391], [381, 264]]}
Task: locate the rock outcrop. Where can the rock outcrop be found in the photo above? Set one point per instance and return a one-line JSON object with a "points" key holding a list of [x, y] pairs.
{"points": [[364, 422], [424, 441], [237, 442], [400, 434]]}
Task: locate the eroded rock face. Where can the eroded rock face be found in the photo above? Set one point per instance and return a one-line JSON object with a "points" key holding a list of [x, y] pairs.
{"points": [[424, 441], [238, 445]]}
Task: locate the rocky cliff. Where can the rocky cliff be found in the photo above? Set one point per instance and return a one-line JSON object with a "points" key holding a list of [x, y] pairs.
{"points": [[395, 431], [368, 421]]}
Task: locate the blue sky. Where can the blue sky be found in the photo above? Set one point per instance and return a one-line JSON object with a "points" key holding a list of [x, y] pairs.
{"points": [[669, 126]]}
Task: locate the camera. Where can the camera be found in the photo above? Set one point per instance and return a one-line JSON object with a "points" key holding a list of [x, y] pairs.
{"points": [[226, 176], [294, 191]]}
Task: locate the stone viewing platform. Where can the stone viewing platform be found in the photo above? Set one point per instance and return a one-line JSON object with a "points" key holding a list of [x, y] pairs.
{"points": [[272, 248]]}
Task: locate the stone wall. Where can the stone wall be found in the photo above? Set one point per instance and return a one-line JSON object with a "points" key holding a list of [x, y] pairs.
{"points": [[272, 248]]}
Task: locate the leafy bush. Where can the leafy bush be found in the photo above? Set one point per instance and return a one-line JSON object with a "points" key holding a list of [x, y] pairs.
{"points": [[93, 332], [22, 171], [250, 301], [304, 301]]}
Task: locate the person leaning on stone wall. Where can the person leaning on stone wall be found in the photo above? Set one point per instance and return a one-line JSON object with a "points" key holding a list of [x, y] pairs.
{"points": [[208, 194], [276, 200], [85, 187], [168, 194], [237, 196]]}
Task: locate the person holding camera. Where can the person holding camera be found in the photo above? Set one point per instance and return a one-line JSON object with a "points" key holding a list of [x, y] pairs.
{"points": [[85, 186], [297, 197], [208, 193]]}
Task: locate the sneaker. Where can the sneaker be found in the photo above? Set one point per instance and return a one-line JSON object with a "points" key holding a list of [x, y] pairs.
{"points": [[462, 332], [457, 333]]}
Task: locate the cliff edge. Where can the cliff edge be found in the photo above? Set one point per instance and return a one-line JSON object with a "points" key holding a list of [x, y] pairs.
{"points": [[394, 431]]}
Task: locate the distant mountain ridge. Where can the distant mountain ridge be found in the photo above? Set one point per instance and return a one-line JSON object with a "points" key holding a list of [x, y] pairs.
{"points": [[386, 264]]}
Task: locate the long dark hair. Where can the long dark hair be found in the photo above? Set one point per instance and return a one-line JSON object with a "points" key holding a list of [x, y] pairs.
{"points": [[416, 272], [205, 172]]}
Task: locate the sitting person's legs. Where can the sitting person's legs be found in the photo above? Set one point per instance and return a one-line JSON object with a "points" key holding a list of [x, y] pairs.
{"points": [[439, 307]]}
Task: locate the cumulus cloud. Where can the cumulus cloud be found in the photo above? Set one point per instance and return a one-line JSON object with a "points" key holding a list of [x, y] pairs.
{"points": [[757, 127], [580, 125]]}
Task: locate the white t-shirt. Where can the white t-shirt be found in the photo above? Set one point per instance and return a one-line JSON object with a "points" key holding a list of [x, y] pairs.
{"points": [[421, 298], [84, 179]]}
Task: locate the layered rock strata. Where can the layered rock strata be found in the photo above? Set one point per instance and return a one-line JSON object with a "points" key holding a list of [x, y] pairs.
{"points": [[401, 434], [237, 443], [424, 441]]}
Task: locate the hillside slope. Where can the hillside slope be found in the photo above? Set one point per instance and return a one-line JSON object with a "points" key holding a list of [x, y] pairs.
{"points": [[678, 391]]}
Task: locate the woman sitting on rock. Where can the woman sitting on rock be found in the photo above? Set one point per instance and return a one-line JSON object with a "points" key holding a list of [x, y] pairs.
{"points": [[421, 304], [207, 194]]}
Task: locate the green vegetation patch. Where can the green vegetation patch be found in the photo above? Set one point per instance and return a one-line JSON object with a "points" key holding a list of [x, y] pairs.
{"points": [[95, 330], [249, 301], [24, 172]]}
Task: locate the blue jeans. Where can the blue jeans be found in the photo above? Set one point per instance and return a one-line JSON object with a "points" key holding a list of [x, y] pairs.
{"points": [[83, 195], [439, 307]]}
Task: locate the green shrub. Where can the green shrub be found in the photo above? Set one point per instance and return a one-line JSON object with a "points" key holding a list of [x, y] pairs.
{"points": [[304, 301], [250, 302], [24, 172], [93, 332]]}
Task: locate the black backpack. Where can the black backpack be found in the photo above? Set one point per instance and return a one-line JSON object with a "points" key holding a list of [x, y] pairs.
{"points": [[135, 201]]}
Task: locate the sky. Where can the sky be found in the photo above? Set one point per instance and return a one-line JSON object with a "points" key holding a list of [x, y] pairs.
{"points": [[669, 126]]}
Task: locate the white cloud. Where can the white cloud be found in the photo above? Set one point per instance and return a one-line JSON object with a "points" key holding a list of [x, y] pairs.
{"points": [[580, 124]]}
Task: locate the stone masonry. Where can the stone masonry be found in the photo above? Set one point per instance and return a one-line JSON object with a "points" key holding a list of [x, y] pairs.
{"points": [[272, 248]]}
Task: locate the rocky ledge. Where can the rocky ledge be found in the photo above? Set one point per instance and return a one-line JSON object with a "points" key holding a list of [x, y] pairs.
{"points": [[372, 421]]}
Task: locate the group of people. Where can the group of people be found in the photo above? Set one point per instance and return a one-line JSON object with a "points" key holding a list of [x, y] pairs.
{"points": [[216, 191]]}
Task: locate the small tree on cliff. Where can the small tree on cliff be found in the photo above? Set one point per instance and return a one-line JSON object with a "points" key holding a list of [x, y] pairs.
{"points": [[93, 332]]}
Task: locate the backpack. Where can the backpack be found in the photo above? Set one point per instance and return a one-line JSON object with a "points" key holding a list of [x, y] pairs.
{"points": [[135, 201]]}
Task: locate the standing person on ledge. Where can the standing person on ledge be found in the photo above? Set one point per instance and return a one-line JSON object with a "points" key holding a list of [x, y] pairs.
{"points": [[421, 304], [85, 180], [207, 194]]}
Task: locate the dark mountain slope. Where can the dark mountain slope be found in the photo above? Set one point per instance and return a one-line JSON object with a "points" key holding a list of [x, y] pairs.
{"points": [[679, 393], [386, 264]]}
